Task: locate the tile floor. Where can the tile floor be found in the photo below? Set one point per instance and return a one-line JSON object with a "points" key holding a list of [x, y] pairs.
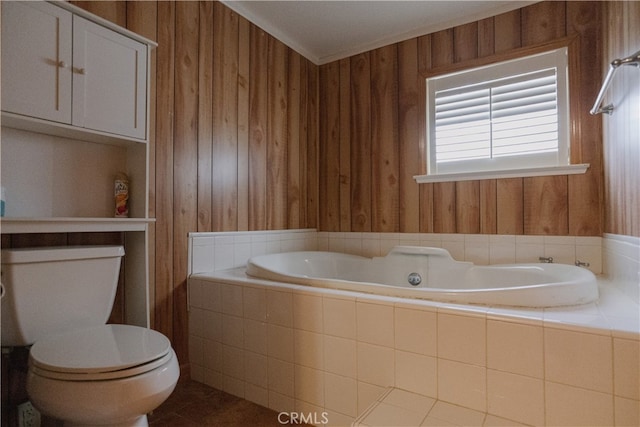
{"points": [[398, 407], [193, 404]]}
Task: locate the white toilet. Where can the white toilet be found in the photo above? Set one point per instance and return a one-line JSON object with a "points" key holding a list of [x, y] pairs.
{"points": [[82, 371]]}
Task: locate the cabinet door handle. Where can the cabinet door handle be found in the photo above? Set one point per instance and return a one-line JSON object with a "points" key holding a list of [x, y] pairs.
{"points": [[80, 71], [62, 64]]}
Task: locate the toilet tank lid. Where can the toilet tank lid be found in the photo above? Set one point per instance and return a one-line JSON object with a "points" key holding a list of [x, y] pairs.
{"points": [[59, 253]]}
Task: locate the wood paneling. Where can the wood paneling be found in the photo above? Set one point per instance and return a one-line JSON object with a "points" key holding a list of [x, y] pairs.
{"points": [[234, 140], [384, 139], [562, 205], [330, 147], [408, 136], [622, 128], [360, 139]]}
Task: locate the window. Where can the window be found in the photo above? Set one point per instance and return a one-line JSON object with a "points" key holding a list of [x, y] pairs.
{"points": [[505, 119]]}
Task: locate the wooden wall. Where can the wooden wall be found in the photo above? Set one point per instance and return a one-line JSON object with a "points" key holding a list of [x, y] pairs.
{"points": [[233, 136], [622, 129], [371, 135]]}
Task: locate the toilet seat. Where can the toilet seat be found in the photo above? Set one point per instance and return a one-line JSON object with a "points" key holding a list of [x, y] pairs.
{"points": [[100, 353]]}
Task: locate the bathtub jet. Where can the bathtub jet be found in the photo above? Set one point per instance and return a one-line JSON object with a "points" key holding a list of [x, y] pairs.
{"points": [[432, 274]]}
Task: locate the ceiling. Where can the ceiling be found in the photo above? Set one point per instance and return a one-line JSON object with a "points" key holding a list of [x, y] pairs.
{"points": [[324, 31]]}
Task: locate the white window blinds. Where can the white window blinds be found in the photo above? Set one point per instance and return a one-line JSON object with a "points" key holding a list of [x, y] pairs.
{"points": [[503, 116]]}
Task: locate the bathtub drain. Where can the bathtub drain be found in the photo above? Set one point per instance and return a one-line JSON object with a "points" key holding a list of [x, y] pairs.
{"points": [[414, 279]]}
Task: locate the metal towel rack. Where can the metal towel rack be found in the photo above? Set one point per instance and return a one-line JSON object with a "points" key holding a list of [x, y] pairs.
{"points": [[629, 60]]}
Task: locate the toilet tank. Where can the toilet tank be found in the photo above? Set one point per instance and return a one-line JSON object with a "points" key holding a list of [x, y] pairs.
{"points": [[56, 289]]}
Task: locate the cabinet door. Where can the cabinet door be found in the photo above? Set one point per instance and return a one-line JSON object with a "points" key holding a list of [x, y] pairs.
{"points": [[109, 80], [36, 60]]}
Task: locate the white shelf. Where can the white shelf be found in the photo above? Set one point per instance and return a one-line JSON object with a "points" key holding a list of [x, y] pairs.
{"points": [[72, 225]]}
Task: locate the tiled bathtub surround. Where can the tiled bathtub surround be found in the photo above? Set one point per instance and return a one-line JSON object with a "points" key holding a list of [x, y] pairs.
{"points": [[294, 348], [219, 251]]}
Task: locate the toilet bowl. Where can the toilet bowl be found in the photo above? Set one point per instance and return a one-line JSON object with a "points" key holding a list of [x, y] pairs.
{"points": [[105, 375], [81, 370]]}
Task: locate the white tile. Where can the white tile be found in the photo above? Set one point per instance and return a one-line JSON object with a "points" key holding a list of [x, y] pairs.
{"points": [[223, 256], [367, 395], [388, 241], [212, 325], [561, 253], [528, 252], [233, 386], [231, 299], [375, 364], [212, 329], [408, 400], [462, 384], [502, 249], [353, 246], [515, 348], [255, 303], [456, 415], [202, 259], [280, 308], [455, 248], [311, 415], [476, 249], [257, 395], [341, 394], [309, 385], [196, 352], [308, 349], [388, 415], [241, 253], [334, 419], [371, 247], [255, 369], [213, 379], [627, 412], [494, 421], [591, 254], [212, 355], [232, 331], [196, 322], [416, 331], [578, 359], [280, 377], [462, 338], [375, 324], [211, 296], [572, 406], [255, 336], [280, 402], [233, 362], [515, 397], [626, 368], [280, 342], [307, 312], [339, 317], [340, 355], [416, 373], [195, 293]]}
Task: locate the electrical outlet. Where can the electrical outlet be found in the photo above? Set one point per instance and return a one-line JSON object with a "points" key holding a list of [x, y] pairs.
{"points": [[28, 416]]}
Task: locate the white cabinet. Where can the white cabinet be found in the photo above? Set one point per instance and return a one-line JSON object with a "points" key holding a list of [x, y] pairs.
{"points": [[75, 91], [59, 66], [109, 80], [36, 55]]}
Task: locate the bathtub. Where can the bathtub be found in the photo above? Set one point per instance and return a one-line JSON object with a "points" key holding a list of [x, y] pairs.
{"points": [[434, 275]]}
